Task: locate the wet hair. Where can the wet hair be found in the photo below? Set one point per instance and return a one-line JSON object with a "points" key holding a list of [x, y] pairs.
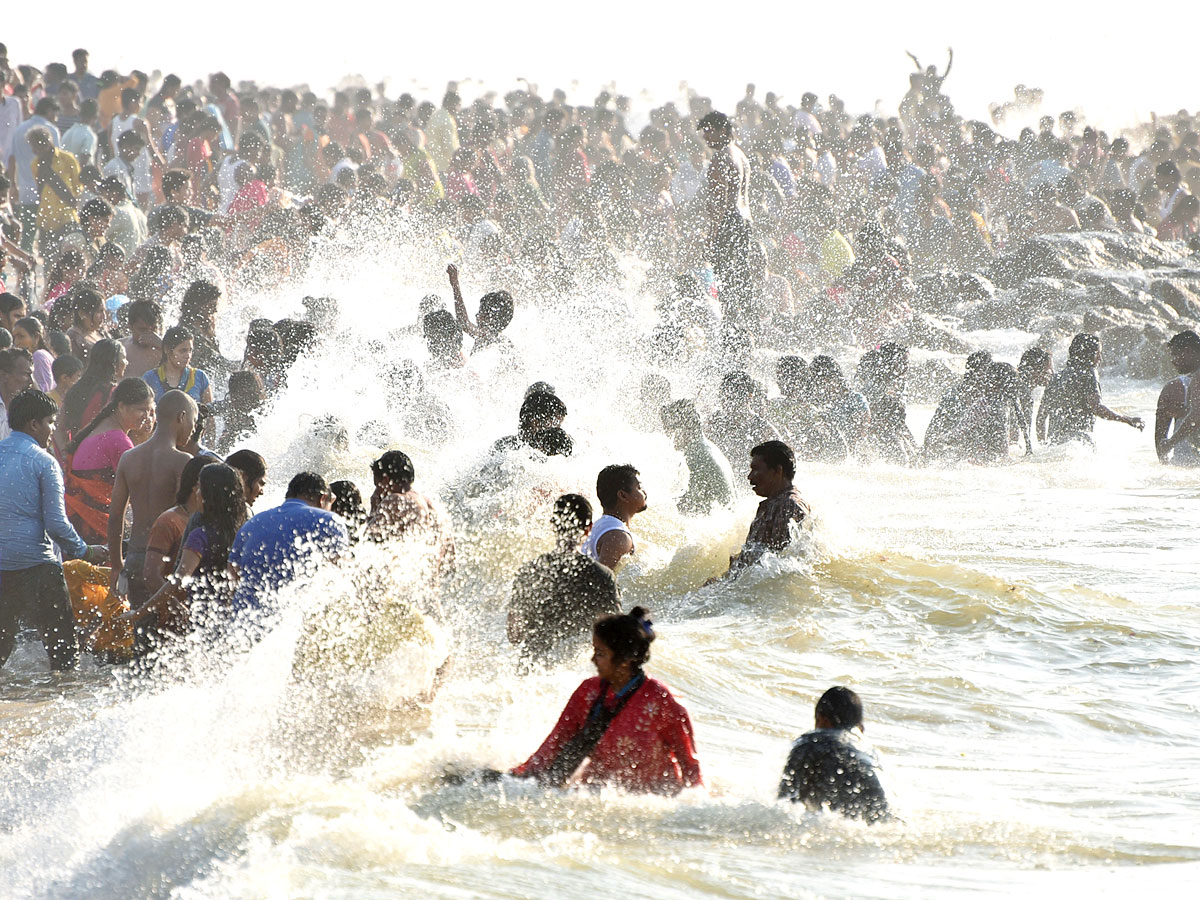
{"points": [[29, 406], [442, 333], [612, 480], [841, 707], [250, 464], [306, 485], [541, 409], [34, 328], [776, 454], [129, 391], [572, 515], [175, 336], [200, 297], [190, 477], [175, 179], [495, 311], [10, 303], [224, 511], [97, 378], [245, 389], [87, 303], [145, 311], [1184, 342], [716, 121], [1084, 345], [396, 466], [791, 370], [552, 442], [66, 366], [295, 337], [628, 636], [978, 361], [6, 339], [680, 414], [1033, 358], [96, 208], [348, 502]]}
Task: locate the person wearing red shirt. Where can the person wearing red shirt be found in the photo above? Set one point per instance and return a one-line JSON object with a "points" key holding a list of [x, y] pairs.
{"points": [[622, 728]]}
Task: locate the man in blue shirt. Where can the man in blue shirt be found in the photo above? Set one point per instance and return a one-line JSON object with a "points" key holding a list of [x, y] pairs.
{"points": [[287, 543], [32, 520]]}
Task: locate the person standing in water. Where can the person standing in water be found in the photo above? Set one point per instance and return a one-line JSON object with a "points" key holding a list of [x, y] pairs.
{"points": [[772, 468], [1072, 402], [1177, 418], [710, 479], [620, 728], [827, 769], [560, 594], [729, 218], [621, 498]]}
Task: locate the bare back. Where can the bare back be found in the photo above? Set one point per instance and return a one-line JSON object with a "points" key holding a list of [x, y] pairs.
{"points": [[151, 474]]}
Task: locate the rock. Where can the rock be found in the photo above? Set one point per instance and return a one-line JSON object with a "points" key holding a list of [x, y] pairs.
{"points": [[942, 291], [1035, 258], [928, 333], [1181, 292]]}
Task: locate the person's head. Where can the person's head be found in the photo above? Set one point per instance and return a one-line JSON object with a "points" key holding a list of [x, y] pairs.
{"points": [[540, 410], [89, 112], [620, 491], [59, 342], [177, 186], [169, 223], [131, 100], [188, 493], [246, 392], [264, 349], [95, 216], [176, 413], [90, 314], [1184, 350], [33, 413], [1035, 367], [348, 502], [495, 311], [131, 408], [737, 391], [717, 129], [1085, 350], [12, 308], [621, 645], [839, 707], [40, 142], [16, 372], [66, 370], [772, 468], [178, 344], [1000, 380], [791, 373], [144, 317], [253, 469], [80, 58], [29, 334], [310, 488], [977, 364], [681, 420], [199, 307], [129, 145], [112, 191], [571, 519], [1166, 176], [393, 472], [442, 335]]}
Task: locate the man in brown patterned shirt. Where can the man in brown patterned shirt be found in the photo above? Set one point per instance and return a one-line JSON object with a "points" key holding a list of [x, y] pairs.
{"points": [[772, 468]]}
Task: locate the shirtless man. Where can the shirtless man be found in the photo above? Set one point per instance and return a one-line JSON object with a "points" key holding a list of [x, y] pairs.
{"points": [[400, 513], [148, 479], [143, 346], [1177, 419], [729, 221], [621, 498]]}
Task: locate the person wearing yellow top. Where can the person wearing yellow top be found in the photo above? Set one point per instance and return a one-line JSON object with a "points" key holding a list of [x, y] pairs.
{"points": [[57, 174]]}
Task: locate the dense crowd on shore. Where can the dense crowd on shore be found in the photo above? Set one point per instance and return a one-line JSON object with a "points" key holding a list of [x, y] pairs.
{"points": [[130, 202]]}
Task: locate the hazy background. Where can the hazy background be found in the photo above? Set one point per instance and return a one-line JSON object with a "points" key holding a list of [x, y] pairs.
{"points": [[1115, 65]]}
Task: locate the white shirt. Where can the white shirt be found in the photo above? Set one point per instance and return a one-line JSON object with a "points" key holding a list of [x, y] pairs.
{"points": [[10, 118], [81, 141], [600, 528]]}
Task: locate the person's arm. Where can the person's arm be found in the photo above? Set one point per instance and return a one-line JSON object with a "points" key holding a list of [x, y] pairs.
{"points": [[460, 307], [1103, 412], [54, 515], [612, 546], [1165, 413], [116, 523], [1043, 413], [517, 625], [677, 735], [169, 592], [573, 716]]}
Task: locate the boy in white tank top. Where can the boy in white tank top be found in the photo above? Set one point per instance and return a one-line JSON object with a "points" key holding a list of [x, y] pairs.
{"points": [[621, 497]]}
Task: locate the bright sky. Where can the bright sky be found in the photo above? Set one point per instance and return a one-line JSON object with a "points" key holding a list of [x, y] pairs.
{"points": [[1103, 62]]}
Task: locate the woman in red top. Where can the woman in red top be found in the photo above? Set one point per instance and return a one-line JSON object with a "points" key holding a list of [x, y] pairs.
{"points": [[622, 728]]}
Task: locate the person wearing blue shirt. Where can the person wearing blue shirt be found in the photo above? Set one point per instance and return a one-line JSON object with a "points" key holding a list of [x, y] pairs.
{"points": [[287, 543], [33, 521]]}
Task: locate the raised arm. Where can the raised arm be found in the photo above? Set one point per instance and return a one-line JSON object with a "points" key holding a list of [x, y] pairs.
{"points": [[460, 307]]}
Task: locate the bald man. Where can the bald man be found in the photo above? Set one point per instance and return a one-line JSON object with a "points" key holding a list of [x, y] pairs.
{"points": [[148, 479]]}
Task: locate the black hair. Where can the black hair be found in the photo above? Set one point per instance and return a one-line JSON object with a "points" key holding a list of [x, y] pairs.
{"points": [[96, 208], [841, 707], [29, 406], [541, 407], [10, 302], [200, 297], [59, 343], [628, 636], [128, 391], [98, 378], [572, 515], [495, 311], [348, 503], [776, 454], [145, 311], [552, 442], [305, 485], [224, 512], [190, 476], [442, 332], [34, 328], [250, 464], [978, 361], [612, 480], [679, 414], [175, 336], [65, 366], [295, 337], [1083, 345], [396, 466], [791, 370], [1185, 341]]}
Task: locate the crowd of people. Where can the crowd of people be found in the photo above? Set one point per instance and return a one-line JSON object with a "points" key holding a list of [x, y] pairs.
{"points": [[128, 202]]}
